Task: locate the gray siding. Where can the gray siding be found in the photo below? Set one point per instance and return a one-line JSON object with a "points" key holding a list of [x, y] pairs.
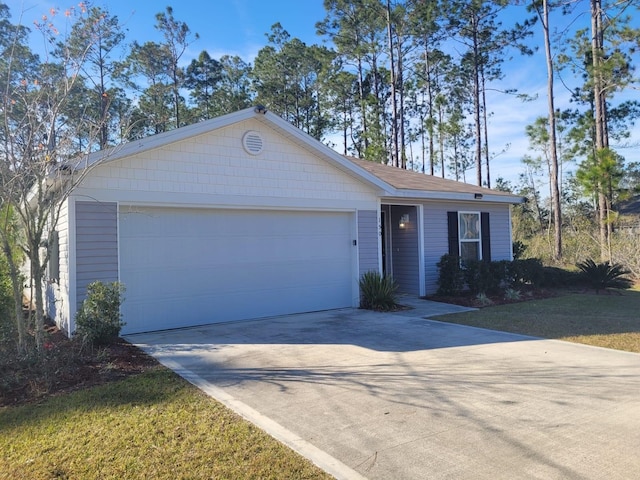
{"points": [[96, 245], [501, 246], [404, 245], [435, 233], [368, 240]]}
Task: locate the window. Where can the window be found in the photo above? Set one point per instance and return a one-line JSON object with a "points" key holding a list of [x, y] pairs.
{"points": [[53, 268], [469, 235]]}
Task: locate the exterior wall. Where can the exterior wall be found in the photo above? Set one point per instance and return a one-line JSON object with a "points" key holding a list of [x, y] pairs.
{"points": [[214, 170], [404, 249], [368, 240], [57, 292], [96, 240], [436, 234]]}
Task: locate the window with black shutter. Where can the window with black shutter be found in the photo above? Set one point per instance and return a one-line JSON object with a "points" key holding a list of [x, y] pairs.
{"points": [[469, 235]]}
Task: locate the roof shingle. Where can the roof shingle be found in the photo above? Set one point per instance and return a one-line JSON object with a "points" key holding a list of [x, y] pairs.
{"points": [[409, 180]]}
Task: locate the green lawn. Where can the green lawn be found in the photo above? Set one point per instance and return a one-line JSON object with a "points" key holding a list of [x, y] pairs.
{"points": [[610, 320], [152, 426]]}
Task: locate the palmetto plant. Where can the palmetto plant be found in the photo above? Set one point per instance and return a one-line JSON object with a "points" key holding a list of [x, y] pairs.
{"points": [[604, 275], [377, 292]]}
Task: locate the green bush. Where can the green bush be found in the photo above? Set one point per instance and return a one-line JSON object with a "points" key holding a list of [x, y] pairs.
{"points": [[512, 294], [99, 321], [500, 275], [8, 333], [486, 277], [479, 277], [528, 271], [377, 292], [554, 277], [604, 275], [450, 275]]}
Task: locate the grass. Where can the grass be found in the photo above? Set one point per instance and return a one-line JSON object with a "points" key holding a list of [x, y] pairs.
{"points": [[153, 426], [610, 320]]}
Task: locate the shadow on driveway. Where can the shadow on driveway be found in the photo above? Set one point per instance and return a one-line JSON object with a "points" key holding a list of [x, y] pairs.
{"points": [[391, 396]]}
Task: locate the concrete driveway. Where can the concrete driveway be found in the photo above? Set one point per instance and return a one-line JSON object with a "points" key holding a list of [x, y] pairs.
{"points": [[382, 396]]}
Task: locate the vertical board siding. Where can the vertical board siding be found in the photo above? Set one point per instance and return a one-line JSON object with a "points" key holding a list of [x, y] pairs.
{"points": [[368, 234], [404, 245], [96, 245], [436, 234]]}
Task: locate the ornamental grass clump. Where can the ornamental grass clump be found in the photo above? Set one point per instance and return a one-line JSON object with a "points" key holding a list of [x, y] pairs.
{"points": [[377, 292]]}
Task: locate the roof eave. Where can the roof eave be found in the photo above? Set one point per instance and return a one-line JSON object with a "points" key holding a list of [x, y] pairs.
{"points": [[455, 196]]}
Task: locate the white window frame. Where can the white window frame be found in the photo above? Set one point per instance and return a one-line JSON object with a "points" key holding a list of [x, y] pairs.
{"points": [[474, 240]]}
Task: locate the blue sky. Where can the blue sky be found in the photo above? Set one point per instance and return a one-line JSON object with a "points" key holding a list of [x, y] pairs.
{"points": [[238, 27]]}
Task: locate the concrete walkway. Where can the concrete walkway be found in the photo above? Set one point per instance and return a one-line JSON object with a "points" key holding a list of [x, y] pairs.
{"points": [[379, 396]]}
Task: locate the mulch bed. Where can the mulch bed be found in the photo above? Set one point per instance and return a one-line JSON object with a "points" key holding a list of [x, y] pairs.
{"points": [[466, 299], [67, 368]]}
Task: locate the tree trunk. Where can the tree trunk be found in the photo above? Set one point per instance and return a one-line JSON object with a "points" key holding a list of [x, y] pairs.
{"points": [[104, 106], [37, 278], [441, 136], [553, 149], [486, 128], [363, 108], [345, 120], [476, 102], [427, 71], [600, 118], [400, 82], [395, 158]]}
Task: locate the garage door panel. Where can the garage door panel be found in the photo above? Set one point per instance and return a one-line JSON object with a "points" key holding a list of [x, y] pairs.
{"points": [[228, 279], [187, 267], [173, 250]]}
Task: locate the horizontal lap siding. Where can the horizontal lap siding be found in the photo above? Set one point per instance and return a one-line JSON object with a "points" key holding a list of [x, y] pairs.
{"points": [[501, 246], [57, 293], [96, 244], [436, 233], [368, 240]]}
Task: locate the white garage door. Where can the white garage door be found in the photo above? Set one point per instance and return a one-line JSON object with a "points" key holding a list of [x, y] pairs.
{"points": [[185, 267]]}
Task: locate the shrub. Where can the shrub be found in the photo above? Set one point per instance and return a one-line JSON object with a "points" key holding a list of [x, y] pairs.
{"points": [[624, 250], [7, 308], [554, 277], [99, 321], [377, 292], [528, 271], [482, 300], [479, 277], [500, 275], [512, 294], [604, 275], [450, 275]]}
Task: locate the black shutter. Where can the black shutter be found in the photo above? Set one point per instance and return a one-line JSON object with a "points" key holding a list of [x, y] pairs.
{"points": [[486, 236], [452, 220]]}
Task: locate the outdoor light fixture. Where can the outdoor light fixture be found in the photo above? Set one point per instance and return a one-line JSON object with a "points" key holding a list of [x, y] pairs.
{"points": [[477, 196], [404, 221]]}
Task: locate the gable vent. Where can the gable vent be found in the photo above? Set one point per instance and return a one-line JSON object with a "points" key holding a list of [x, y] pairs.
{"points": [[252, 142]]}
